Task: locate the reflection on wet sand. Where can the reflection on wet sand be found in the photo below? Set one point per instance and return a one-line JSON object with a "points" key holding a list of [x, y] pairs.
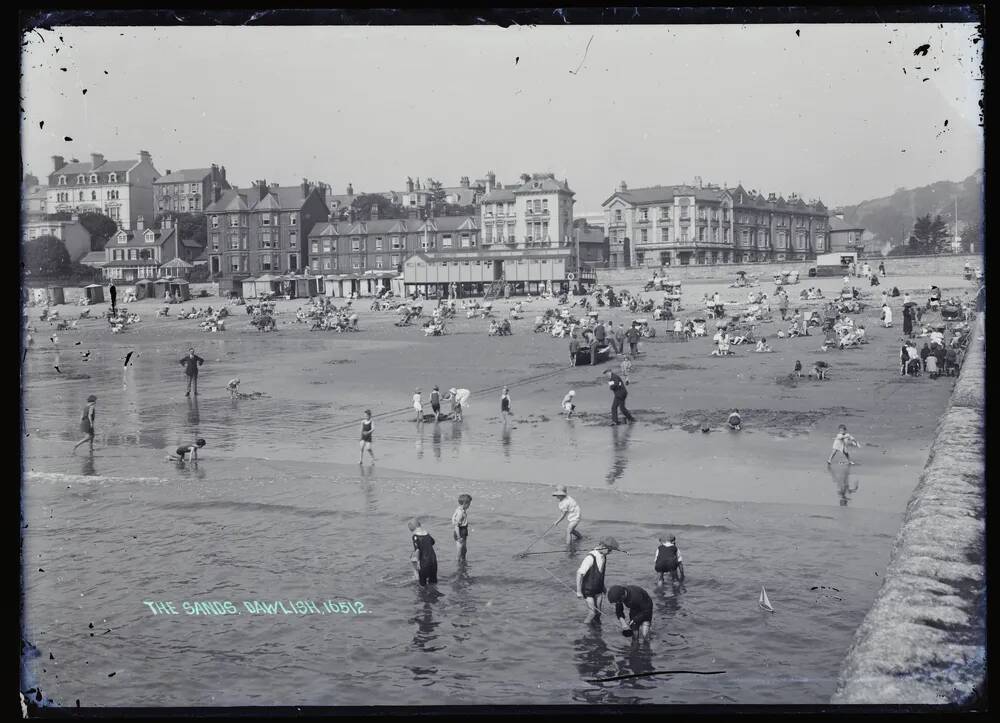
{"points": [[193, 417], [87, 469], [619, 455], [505, 441], [436, 440], [841, 476]]}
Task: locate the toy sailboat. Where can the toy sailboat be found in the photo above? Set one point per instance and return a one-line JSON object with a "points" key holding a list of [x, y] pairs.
{"points": [[763, 602]]}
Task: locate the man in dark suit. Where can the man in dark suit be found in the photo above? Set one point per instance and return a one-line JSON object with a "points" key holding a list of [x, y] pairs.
{"points": [[620, 392]]}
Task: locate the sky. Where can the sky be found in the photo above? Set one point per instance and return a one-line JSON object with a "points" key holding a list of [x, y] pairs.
{"points": [[825, 111]]}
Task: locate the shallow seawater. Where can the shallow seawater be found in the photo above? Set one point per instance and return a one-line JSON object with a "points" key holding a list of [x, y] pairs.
{"points": [[278, 509]]}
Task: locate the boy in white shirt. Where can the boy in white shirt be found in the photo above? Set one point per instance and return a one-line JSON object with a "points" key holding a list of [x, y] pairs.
{"points": [[418, 405], [570, 512], [568, 404]]}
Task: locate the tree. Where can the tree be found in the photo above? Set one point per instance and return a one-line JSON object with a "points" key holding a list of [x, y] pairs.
{"points": [[101, 228], [930, 236], [189, 225], [972, 237], [46, 256], [362, 206]]}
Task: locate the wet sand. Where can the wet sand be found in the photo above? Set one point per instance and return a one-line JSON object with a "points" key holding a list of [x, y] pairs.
{"points": [[281, 475]]}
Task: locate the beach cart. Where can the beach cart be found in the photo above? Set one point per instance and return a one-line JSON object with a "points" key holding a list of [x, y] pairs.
{"points": [[602, 355]]}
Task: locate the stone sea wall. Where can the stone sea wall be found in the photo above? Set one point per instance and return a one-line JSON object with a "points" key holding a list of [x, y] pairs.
{"points": [[949, 264], [924, 639]]}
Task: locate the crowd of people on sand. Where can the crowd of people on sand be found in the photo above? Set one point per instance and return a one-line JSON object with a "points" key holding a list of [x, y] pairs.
{"points": [[592, 340]]}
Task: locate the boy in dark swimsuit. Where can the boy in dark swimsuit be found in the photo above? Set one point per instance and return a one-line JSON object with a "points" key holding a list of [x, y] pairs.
{"points": [[436, 403], [367, 428], [423, 558], [668, 559], [640, 609], [505, 405], [590, 576], [181, 453]]}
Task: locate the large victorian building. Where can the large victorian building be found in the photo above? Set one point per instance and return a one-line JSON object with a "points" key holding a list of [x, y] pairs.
{"points": [[698, 224], [121, 190], [189, 190]]}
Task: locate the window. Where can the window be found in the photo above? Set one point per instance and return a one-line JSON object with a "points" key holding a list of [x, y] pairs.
{"points": [[293, 262], [114, 213], [314, 264], [80, 179], [93, 195], [112, 178], [265, 262], [293, 219], [701, 233], [193, 188], [122, 238], [93, 178], [545, 205], [446, 241], [327, 243], [81, 196], [355, 244], [314, 247], [62, 181], [234, 263], [394, 259], [293, 239], [234, 220], [643, 236], [665, 235], [378, 243], [234, 242], [215, 242], [396, 243], [643, 214], [265, 220], [465, 241], [355, 264], [618, 214], [215, 222], [149, 236], [684, 235], [326, 264], [379, 262]]}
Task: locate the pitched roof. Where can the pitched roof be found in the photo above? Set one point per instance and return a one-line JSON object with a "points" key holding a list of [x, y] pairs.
{"points": [[137, 237], [94, 257], [185, 175], [663, 194], [338, 200], [270, 202], [545, 181], [499, 195], [115, 166], [74, 169], [230, 200], [463, 196], [838, 224]]}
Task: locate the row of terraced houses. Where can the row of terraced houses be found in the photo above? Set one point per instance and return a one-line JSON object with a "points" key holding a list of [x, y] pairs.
{"points": [[524, 232]]}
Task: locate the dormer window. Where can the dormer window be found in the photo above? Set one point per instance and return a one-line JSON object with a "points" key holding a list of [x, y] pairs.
{"points": [[80, 178], [62, 181], [150, 236], [93, 178], [112, 178], [122, 237]]}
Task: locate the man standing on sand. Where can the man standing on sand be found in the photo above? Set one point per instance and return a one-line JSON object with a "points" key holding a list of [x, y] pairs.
{"points": [[574, 347], [113, 292], [619, 338], [620, 393], [191, 363]]}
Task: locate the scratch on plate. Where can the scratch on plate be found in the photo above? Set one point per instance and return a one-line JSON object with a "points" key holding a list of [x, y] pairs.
{"points": [[574, 72]]}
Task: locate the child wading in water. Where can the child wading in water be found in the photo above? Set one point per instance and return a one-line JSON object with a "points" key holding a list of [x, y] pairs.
{"points": [[87, 422], [181, 453], [367, 428], [505, 410], [568, 404], [424, 559], [234, 387], [668, 559], [735, 421], [841, 442], [460, 521]]}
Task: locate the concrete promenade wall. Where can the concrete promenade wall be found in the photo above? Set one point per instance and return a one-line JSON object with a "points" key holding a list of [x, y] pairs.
{"points": [[894, 266], [924, 639]]}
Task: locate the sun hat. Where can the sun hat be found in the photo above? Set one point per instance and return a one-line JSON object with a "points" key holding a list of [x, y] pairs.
{"points": [[609, 543], [560, 490], [92, 398]]}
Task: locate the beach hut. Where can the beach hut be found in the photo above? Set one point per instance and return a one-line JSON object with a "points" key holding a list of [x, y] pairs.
{"points": [[94, 293], [161, 288], [177, 267], [268, 283], [143, 289], [180, 289], [249, 288], [56, 295], [306, 287]]}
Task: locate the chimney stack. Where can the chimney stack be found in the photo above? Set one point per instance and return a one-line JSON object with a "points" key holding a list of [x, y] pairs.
{"points": [[464, 183], [351, 214], [96, 159], [168, 172], [144, 156], [168, 222], [139, 223], [216, 191], [374, 212], [698, 179], [222, 172], [409, 185], [306, 187], [350, 189], [58, 162], [622, 187], [261, 189], [491, 181]]}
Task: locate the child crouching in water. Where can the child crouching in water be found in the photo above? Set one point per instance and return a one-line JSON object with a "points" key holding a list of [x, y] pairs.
{"points": [[181, 453], [841, 442], [568, 403], [234, 387], [668, 559], [424, 559]]}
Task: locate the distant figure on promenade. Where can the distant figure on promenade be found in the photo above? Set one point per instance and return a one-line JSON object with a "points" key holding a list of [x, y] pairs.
{"points": [[87, 422], [113, 292], [460, 521], [841, 442], [590, 577], [367, 429], [424, 558], [505, 410], [570, 512], [568, 404], [668, 560], [640, 609], [620, 392], [191, 363], [418, 404]]}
